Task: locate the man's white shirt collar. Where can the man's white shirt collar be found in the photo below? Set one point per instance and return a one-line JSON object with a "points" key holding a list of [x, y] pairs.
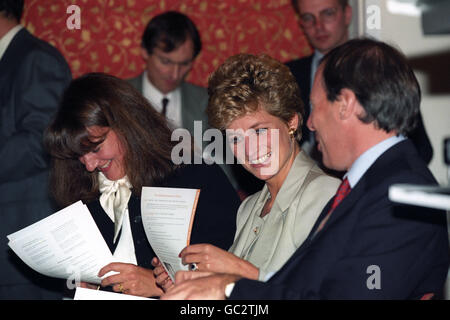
{"points": [[317, 56], [364, 161], [154, 96]]}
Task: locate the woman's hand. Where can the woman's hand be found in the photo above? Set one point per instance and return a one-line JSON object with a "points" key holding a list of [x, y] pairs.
{"points": [[162, 278], [131, 279], [213, 259]]}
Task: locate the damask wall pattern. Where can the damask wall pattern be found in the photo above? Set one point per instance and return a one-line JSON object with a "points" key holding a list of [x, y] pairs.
{"points": [[110, 31]]}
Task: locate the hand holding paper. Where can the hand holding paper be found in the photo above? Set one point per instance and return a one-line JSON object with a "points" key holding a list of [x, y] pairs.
{"points": [[167, 216], [130, 279]]}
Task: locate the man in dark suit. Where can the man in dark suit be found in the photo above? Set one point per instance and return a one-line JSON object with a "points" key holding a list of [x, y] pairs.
{"points": [[325, 24], [32, 77], [362, 246]]}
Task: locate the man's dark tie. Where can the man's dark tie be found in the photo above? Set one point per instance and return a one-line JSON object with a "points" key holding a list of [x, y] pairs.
{"points": [[343, 190], [165, 102]]}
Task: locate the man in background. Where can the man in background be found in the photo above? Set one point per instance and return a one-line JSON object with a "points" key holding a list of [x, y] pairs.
{"points": [[170, 44], [325, 24], [32, 78]]}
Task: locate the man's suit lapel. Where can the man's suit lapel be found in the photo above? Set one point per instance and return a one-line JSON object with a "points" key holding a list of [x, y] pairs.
{"points": [[185, 115], [340, 211], [301, 69], [367, 182], [137, 82], [8, 63], [191, 111], [12, 52], [306, 78]]}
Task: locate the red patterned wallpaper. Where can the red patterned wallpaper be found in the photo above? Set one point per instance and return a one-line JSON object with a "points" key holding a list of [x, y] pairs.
{"points": [[110, 33]]}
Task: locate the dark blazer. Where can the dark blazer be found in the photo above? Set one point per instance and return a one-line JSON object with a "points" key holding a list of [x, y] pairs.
{"points": [[408, 244], [215, 217], [301, 69], [33, 75]]}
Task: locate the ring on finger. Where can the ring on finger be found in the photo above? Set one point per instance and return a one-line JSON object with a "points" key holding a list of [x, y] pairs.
{"points": [[121, 287]]}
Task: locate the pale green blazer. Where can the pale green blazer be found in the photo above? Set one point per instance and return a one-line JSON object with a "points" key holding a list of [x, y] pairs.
{"points": [[270, 241]]}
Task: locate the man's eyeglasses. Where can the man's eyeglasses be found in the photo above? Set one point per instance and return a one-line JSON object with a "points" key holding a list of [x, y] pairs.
{"points": [[308, 20]]}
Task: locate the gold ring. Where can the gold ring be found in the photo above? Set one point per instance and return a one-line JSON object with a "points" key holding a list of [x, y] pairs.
{"points": [[120, 287]]}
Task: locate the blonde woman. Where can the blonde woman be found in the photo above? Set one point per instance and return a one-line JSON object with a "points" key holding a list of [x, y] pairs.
{"points": [[256, 101]]}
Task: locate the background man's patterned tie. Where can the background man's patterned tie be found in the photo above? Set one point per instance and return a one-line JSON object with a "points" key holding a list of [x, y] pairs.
{"points": [[165, 102]]}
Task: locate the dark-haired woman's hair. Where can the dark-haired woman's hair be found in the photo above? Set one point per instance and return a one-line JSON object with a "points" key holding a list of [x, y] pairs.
{"points": [[102, 100]]}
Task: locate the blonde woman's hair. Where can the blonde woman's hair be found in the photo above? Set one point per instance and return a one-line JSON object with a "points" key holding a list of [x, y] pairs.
{"points": [[246, 83]]}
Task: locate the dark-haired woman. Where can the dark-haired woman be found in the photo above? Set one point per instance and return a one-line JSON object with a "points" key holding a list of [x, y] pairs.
{"points": [[106, 143]]}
